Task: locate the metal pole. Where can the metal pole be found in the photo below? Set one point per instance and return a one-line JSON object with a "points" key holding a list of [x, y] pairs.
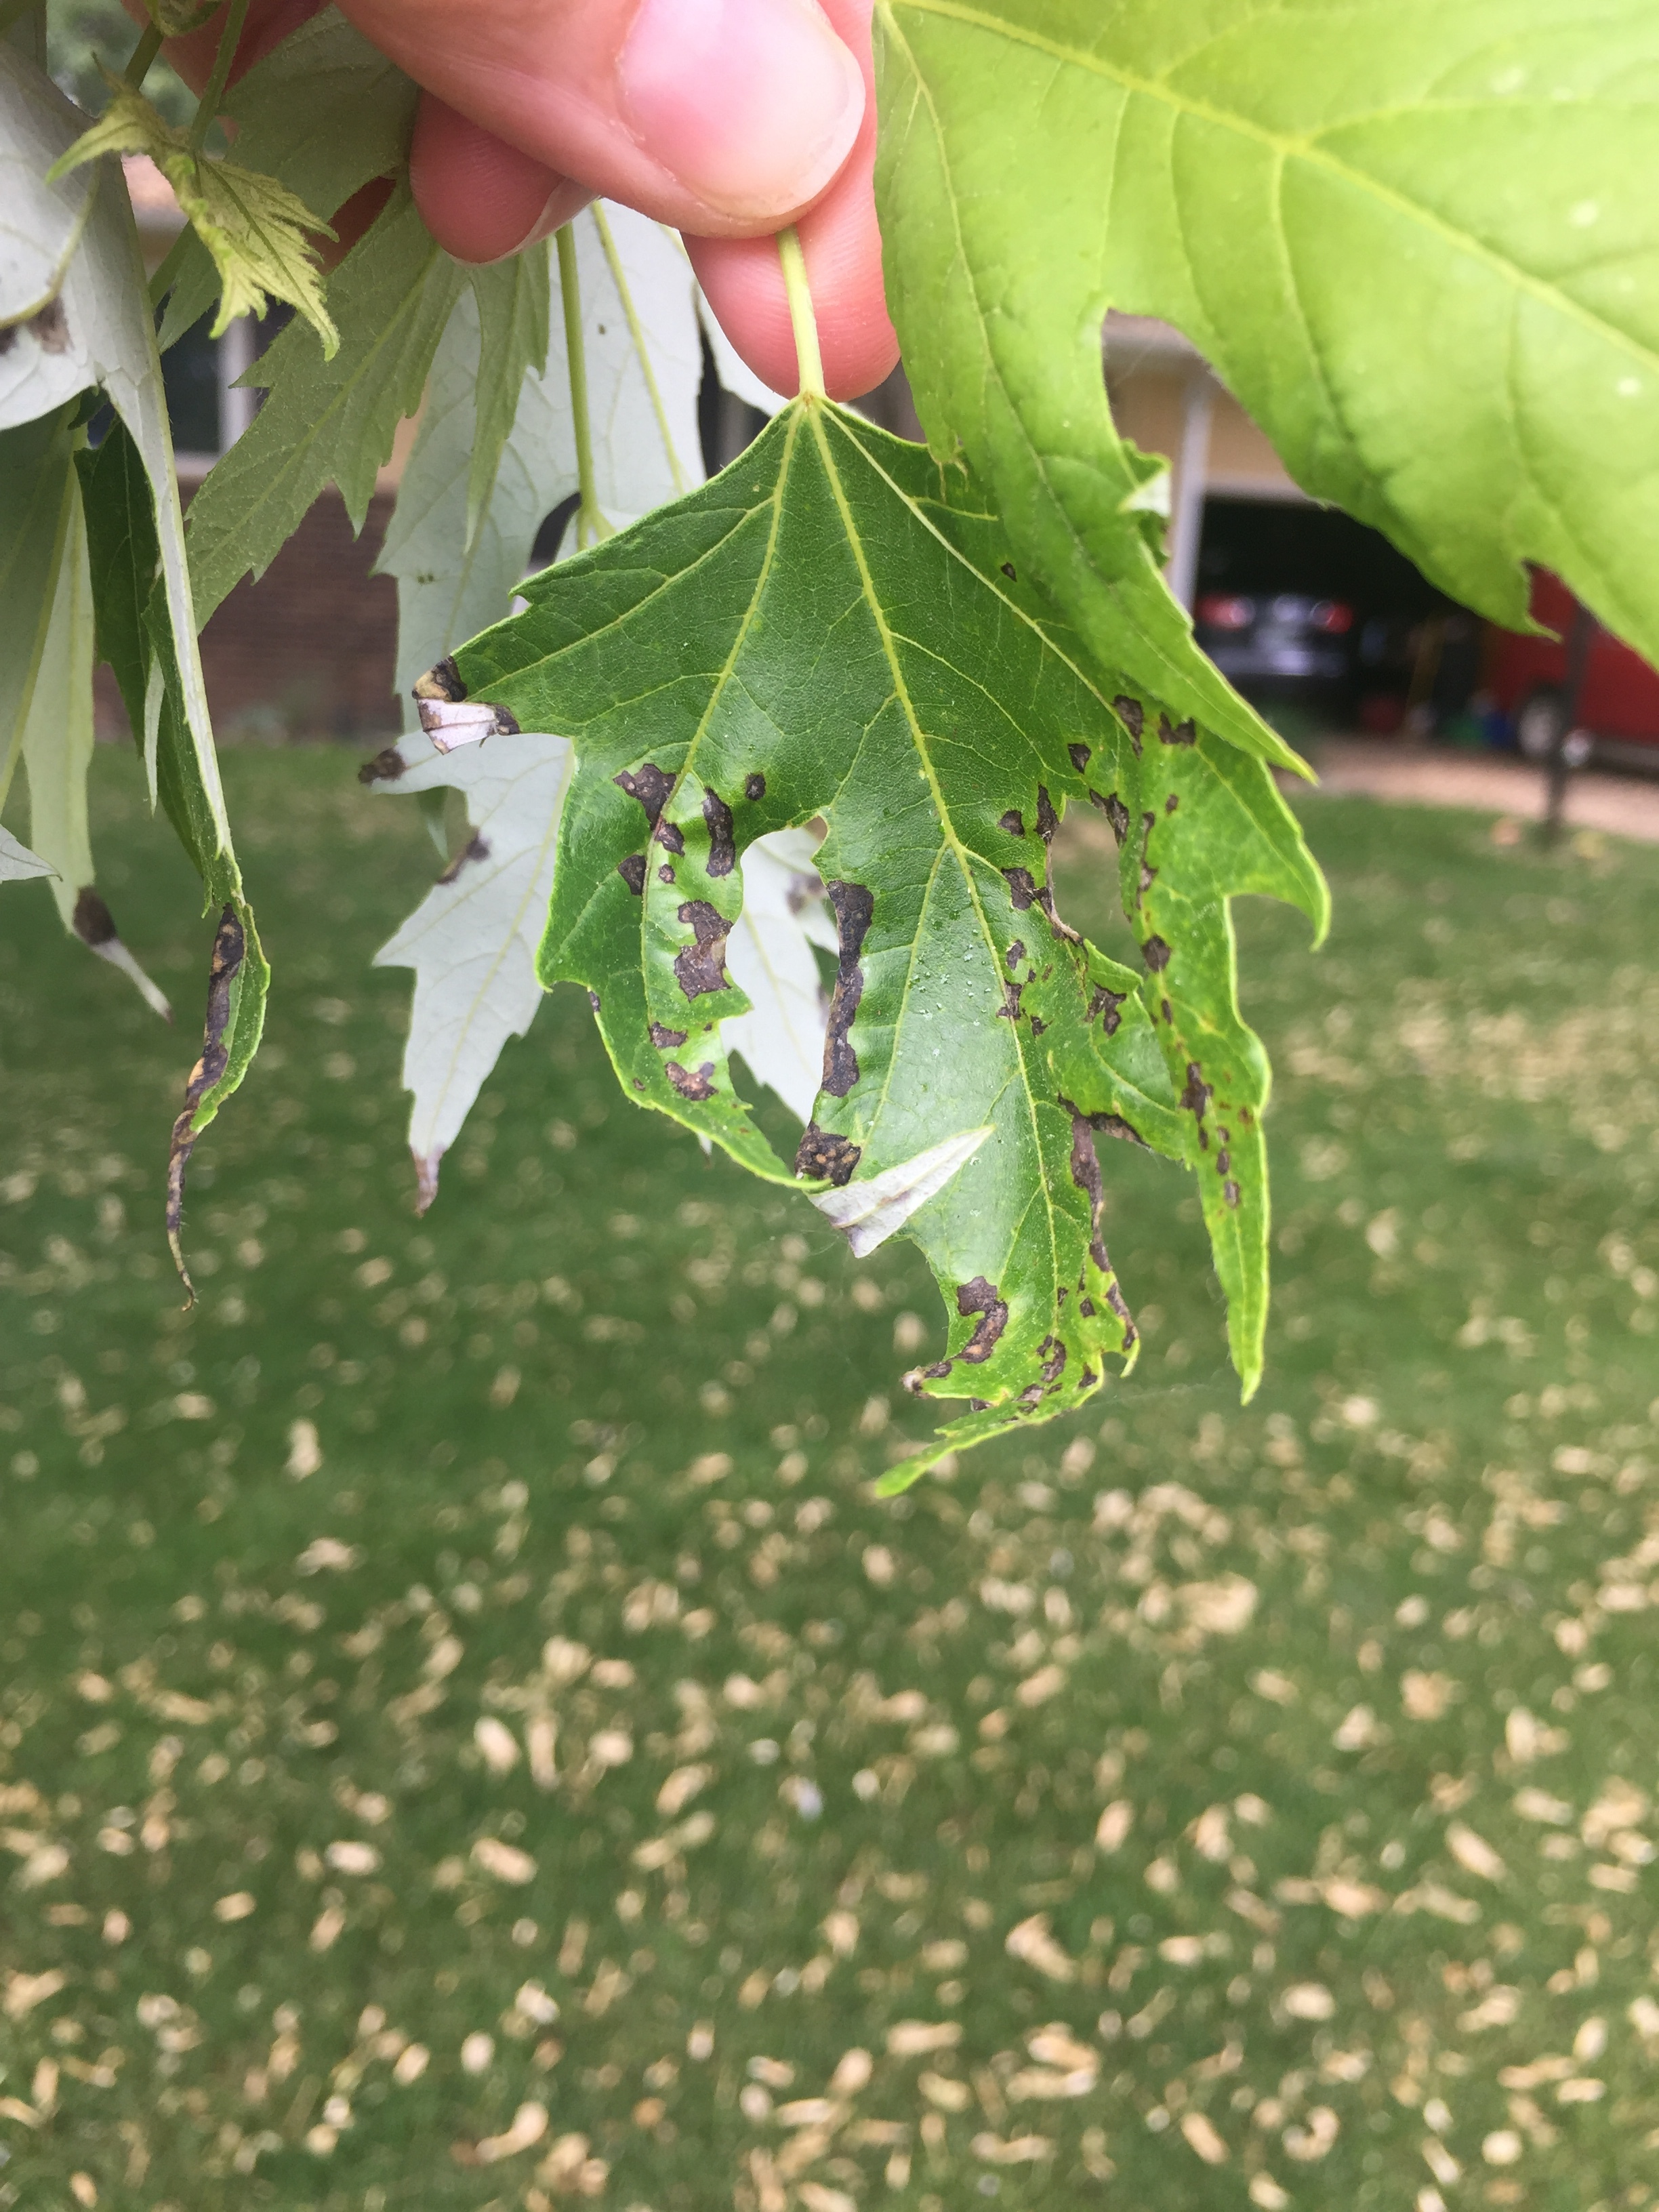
{"points": [[1191, 473]]}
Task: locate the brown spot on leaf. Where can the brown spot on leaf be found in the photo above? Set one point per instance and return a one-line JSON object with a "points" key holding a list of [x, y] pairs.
{"points": [[1054, 1366], [666, 1040], [441, 680], [1114, 1125], [695, 1087], [1008, 571], [1016, 953], [51, 327], [825, 1157], [1182, 733], [1132, 715], [1223, 1160], [1172, 802], [1080, 756], [1156, 953], [1116, 812], [229, 949], [853, 905], [92, 922], [665, 874], [475, 848], [1085, 1174], [632, 872], [722, 850], [1106, 1003], [1198, 1094], [1009, 1010], [669, 837], [1047, 821], [754, 788], [980, 1297], [1022, 887], [701, 967], [1014, 822], [593, 1001], [649, 786], [1167, 1011], [387, 766], [1230, 1192]]}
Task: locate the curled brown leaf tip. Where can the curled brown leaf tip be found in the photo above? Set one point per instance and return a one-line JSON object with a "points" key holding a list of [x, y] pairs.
{"points": [[92, 922], [387, 765], [229, 949], [441, 681]]}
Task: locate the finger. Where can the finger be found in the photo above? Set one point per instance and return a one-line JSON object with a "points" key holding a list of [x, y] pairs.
{"points": [[725, 117], [480, 198], [840, 239]]}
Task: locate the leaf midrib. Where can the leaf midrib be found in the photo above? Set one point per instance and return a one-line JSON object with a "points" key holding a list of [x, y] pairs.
{"points": [[949, 840], [1285, 148]]}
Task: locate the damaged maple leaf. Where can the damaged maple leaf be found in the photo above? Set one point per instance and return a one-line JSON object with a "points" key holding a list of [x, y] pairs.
{"points": [[832, 628]]}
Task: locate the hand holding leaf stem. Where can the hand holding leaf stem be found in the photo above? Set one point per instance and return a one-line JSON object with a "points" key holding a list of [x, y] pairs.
{"points": [[727, 118]]}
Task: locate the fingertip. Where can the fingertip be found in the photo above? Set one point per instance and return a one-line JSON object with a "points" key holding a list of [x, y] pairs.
{"points": [[481, 199]]}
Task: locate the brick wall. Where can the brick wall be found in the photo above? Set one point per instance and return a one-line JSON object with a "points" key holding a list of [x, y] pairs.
{"points": [[308, 650]]}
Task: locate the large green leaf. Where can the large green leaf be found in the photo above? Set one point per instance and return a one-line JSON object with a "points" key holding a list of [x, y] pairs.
{"points": [[835, 627], [1419, 241], [327, 420], [324, 113]]}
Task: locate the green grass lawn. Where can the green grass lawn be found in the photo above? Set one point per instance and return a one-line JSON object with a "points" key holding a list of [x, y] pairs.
{"points": [[469, 1737]]}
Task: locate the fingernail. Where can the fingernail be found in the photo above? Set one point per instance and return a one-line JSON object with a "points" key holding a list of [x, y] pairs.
{"points": [[564, 202], [752, 105]]}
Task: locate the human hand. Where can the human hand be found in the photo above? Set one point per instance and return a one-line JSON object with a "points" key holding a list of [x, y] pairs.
{"points": [[727, 118]]}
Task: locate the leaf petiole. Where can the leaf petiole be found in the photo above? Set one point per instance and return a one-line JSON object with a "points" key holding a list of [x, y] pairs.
{"points": [[591, 524], [208, 106], [805, 323], [143, 54]]}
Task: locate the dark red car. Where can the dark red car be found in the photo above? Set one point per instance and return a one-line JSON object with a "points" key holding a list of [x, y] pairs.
{"points": [[1528, 679]]}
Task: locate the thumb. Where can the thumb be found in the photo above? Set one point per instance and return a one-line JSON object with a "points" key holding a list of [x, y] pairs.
{"points": [[724, 118]]}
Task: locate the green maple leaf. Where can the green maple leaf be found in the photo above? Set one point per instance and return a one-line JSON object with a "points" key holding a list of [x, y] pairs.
{"points": [[323, 112], [1419, 242], [835, 628], [329, 417], [258, 232]]}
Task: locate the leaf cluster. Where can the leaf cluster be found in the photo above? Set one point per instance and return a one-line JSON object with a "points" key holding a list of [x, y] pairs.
{"points": [[833, 706]]}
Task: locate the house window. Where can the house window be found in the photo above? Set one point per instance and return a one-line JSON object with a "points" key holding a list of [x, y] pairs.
{"points": [[209, 410]]}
